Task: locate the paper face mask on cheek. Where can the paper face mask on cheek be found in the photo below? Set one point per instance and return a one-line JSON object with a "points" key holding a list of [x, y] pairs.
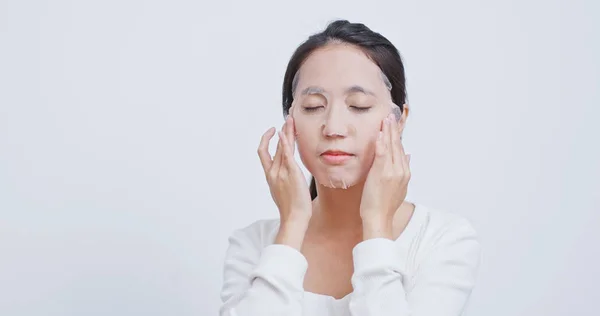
{"points": [[343, 177]]}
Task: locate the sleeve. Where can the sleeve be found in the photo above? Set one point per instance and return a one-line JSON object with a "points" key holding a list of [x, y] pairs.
{"points": [[442, 283], [261, 282]]}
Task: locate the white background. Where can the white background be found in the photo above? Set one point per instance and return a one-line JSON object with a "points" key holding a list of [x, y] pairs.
{"points": [[128, 135]]}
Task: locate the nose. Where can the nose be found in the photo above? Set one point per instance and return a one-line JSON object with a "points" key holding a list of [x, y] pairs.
{"points": [[335, 124]]}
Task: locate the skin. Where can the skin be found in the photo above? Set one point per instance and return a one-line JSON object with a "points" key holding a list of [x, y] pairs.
{"points": [[341, 102]]}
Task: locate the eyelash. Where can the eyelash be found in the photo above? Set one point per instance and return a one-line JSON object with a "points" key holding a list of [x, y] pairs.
{"points": [[355, 108], [361, 109], [312, 109]]}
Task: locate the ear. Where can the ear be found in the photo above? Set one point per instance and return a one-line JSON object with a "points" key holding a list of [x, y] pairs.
{"points": [[403, 118]]}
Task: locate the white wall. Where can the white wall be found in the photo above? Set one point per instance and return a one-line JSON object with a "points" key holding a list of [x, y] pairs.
{"points": [[128, 135]]}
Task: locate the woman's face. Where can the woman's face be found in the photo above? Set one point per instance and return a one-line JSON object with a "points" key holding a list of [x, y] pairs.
{"points": [[339, 103]]}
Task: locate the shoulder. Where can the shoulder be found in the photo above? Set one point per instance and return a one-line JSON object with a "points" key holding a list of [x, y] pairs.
{"points": [[443, 249], [257, 234], [440, 229], [442, 221]]}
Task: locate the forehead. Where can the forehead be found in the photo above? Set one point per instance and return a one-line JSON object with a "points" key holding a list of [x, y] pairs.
{"points": [[339, 66]]}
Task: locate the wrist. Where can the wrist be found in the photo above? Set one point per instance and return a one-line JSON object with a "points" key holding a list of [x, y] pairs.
{"points": [[291, 233], [298, 217], [377, 227]]}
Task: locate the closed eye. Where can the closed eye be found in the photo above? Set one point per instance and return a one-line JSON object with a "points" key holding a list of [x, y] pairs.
{"points": [[360, 108], [312, 108]]}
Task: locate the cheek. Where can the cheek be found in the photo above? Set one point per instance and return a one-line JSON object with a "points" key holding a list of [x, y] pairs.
{"points": [[305, 134], [307, 152], [367, 145], [368, 136], [306, 142], [304, 123], [307, 147]]}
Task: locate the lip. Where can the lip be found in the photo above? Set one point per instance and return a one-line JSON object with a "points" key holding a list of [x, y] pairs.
{"points": [[336, 157]]}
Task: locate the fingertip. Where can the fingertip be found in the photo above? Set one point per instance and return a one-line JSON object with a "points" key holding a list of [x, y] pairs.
{"points": [[267, 135]]}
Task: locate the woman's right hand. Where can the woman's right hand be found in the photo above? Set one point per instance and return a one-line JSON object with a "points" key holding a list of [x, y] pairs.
{"points": [[287, 184]]}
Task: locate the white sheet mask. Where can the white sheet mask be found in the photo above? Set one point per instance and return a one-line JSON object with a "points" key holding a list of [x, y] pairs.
{"points": [[337, 182], [333, 183], [333, 179]]}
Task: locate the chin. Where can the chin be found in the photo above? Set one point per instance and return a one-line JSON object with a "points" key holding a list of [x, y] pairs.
{"points": [[337, 179]]}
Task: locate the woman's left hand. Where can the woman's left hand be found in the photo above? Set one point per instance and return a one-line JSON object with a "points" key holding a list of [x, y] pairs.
{"points": [[387, 182]]}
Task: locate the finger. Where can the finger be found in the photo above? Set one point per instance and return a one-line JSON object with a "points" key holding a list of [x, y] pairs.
{"points": [[404, 159], [263, 149], [401, 152], [278, 155], [396, 142], [288, 156], [380, 150], [289, 133], [387, 138]]}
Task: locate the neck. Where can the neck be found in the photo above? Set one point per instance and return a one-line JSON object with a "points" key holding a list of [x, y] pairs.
{"points": [[338, 210]]}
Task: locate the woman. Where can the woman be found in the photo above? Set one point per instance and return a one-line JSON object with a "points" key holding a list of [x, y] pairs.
{"points": [[349, 244]]}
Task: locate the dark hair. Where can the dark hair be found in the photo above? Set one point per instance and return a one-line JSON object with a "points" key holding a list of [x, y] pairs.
{"points": [[375, 46]]}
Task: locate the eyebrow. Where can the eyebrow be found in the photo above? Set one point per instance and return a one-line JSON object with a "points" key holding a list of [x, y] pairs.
{"points": [[359, 89], [312, 90], [352, 89]]}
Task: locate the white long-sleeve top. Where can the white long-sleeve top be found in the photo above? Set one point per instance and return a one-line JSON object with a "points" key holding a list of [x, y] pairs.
{"points": [[429, 270]]}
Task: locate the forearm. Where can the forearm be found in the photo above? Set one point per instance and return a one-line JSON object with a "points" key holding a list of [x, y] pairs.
{"points": [[291, 232], [445, 276], [276, 286], [378, 280]]}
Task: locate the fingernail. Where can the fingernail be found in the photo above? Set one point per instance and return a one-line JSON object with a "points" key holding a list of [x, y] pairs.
{"points": [[380, 135], [408, 156]]}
